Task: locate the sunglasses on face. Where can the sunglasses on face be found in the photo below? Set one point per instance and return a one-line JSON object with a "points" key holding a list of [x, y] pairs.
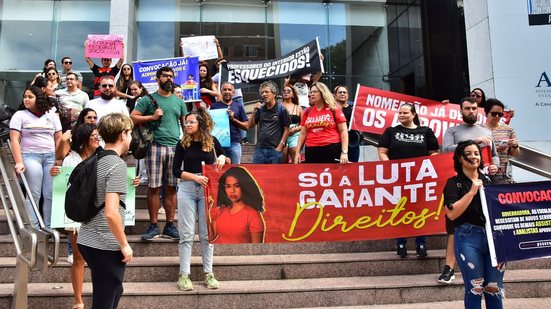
{"points": [[52, 74], [127, 68], [107, 85], [68, 62], [496, 114], [476, 95]]}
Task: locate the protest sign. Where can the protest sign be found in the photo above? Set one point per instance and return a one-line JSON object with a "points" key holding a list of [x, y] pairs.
{"points": [[329, 202], [202, 47], [221, 126], [518, 220], [375, 110], [59, 188], [303, 60], [186, 74], [104, 46]]}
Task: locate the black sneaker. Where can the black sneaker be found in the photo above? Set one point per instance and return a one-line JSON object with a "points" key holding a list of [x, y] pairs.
{"points": [[402, 252], [151, 233], [171, 232], [421, 251], [447, 276]]}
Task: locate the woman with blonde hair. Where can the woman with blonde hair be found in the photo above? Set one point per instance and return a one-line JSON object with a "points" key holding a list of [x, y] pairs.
{"points": [[324, 130]]}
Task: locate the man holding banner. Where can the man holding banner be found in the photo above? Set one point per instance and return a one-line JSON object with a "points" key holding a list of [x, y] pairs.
{"points": [[104, 70], [238, 121], [169, 112], [273, 126]]}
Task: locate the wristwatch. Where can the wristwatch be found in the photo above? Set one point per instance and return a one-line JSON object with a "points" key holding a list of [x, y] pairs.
{"points": [[345, 151]]}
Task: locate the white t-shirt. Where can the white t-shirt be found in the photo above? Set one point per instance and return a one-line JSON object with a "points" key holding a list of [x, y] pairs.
{"points": [[103, 107], [37, 134]]}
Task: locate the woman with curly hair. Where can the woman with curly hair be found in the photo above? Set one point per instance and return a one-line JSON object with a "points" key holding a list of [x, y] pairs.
{"points": [[196, 146], [324, 129], [34, 133], [464, 208], [238, 217]]}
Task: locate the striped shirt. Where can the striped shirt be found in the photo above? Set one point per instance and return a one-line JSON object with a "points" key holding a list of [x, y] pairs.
{"points": [[111, 178]]}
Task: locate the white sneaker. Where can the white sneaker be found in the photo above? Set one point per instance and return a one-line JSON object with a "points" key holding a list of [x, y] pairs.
{"points": [[70, 259], [162, 210]]}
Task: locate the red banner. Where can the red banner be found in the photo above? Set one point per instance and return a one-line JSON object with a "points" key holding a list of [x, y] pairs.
{"points": [[375, 110], [327, 202]]}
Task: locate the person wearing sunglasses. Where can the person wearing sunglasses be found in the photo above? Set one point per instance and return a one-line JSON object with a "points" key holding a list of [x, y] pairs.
{"points": [[67, 65], [505, 140], [104, 70], [53, 77], [107, 103]]}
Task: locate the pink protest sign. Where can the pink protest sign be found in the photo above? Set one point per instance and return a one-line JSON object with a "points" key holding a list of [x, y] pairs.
{"points": [[104, 46]]}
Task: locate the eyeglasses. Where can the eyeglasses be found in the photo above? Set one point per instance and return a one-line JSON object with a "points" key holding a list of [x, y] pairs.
{"points": [[52, 73], [70, 78], [190, 122], [91, 117], [107, 85], [475, 95], [67, 62], [167, 76], [496, 114], [314, 91]]}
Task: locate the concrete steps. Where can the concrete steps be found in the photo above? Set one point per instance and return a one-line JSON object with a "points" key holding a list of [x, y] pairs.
{"points": [[289, 293]]}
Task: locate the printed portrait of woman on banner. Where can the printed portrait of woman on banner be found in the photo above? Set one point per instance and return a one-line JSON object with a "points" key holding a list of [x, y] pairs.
{"points": [[237, 215]]}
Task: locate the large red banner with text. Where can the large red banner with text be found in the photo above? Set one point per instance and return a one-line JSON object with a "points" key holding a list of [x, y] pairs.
{"points": [[375, 110], [327, 202]]}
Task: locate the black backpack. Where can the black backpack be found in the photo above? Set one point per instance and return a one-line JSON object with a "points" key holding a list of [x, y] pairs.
{"points": [[80, 198]]}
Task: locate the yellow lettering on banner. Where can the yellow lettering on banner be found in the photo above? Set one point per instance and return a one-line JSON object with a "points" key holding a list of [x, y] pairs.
{"points": [[324, 223]]}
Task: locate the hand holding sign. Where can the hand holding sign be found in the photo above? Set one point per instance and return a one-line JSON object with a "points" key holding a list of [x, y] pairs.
{"points": [[104, 46]]}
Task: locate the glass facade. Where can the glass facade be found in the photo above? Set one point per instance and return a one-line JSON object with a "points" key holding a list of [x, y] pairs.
{"points": [[33, 31], [352, 34]]}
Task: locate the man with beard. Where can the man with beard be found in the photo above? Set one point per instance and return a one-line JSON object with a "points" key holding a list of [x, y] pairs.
{"points": [[238, 121], [106, 103], [165, 120], [453, 136]]}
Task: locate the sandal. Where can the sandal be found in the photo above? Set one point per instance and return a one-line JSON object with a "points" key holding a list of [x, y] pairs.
{"points": [[78, 306]]}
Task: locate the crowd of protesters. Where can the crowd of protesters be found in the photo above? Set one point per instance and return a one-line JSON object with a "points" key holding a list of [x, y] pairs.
{"points": [[58, 124]]}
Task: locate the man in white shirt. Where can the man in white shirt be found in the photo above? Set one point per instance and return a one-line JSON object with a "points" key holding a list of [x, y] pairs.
{"points": [[106, 103], [72, 99]]}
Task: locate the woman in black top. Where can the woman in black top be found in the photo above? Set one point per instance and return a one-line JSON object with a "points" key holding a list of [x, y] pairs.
{"points": [[464, 208], [290, 102], [408, 140], [197, 146]]}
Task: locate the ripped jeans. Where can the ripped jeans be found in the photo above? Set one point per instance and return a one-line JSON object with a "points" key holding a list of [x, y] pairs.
{"points": [[480, 278]]}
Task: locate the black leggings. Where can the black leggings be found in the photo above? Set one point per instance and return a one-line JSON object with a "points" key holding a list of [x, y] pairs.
{"points": [[107, 271], [323, 154]]}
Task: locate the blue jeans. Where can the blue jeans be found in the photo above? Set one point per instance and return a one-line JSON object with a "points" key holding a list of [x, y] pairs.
{"points": [[37, 173], [267, 155], [234, 152], [480, 278], [191, 206]]}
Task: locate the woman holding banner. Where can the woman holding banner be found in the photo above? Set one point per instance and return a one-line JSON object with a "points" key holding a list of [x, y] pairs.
{"points": [[464, 208], [408, 140], [323, 129], [290, 102], [84, 142], [505, 140], [209, 91], [196, 146], [240, 204]]}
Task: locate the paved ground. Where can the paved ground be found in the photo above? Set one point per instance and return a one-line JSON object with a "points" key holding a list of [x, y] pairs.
{"points": [[513, 303]]}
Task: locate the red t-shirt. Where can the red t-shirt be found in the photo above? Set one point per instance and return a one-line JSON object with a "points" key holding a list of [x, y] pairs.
{"points": [[237, 228], [321, 126]]}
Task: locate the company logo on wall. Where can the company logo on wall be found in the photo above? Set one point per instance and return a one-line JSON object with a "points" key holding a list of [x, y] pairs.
{"points": [[543, 90], [539, 12]]}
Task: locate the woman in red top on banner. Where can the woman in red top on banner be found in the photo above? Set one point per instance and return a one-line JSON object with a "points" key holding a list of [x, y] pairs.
{"points": [[238, 217], [324, 129]]}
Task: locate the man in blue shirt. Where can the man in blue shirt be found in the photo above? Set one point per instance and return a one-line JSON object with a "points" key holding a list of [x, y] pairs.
{"points": [[238, 121]]}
